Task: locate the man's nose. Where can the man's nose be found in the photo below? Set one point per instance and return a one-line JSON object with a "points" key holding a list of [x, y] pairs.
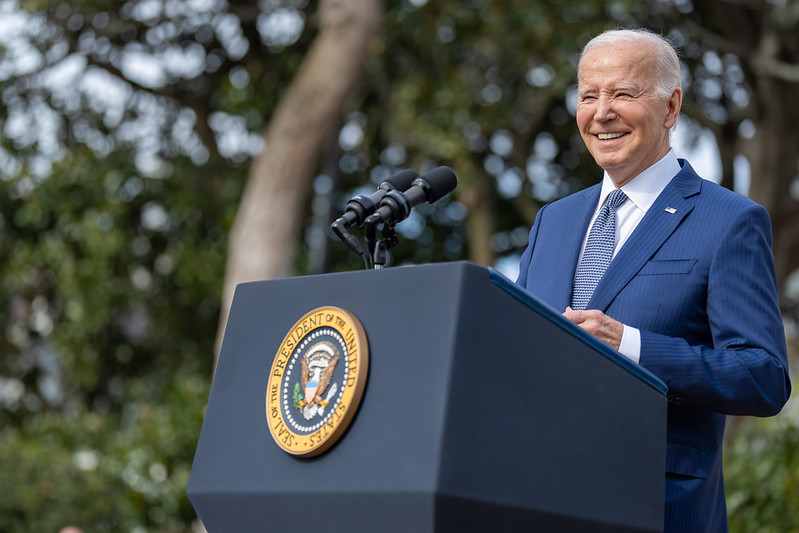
{"points": [[604, 109]]}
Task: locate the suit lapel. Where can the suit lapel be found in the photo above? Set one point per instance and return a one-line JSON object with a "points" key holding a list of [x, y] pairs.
{"points": [[571, 226], [670, 208]]}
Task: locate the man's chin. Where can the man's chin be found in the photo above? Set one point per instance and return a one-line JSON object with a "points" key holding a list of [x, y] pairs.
{"points": [[609, 162]]}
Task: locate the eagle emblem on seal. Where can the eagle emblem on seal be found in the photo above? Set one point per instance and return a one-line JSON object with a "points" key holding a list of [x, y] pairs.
{"points": [[318, 365]]}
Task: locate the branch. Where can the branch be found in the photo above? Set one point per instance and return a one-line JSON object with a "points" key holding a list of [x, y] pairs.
{"points": [[768, 66], [746, 4], [721, 43]]}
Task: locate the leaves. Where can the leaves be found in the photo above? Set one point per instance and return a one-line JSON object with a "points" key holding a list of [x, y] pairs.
{"points": [[104, 473], [761, 467]]}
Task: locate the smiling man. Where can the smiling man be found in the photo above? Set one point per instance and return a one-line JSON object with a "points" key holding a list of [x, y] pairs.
{"points": [[674, 272]]}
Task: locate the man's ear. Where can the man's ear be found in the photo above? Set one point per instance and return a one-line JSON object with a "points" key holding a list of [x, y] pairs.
{"points": [[673, 105]]}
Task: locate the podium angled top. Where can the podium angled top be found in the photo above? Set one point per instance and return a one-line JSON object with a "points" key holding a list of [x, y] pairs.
{"points": [[548, 312]]}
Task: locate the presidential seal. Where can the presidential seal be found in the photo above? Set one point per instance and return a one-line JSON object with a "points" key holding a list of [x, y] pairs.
{"points": [[316, 381]]}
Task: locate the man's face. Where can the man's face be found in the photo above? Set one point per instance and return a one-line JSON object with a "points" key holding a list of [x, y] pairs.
{"points": [[623, 120]]}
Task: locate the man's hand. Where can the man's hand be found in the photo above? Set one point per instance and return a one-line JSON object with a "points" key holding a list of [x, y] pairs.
{"points": [[597, 324]]}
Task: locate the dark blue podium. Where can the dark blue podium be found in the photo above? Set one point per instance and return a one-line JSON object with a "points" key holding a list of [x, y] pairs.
{"points": [[483, 410]]}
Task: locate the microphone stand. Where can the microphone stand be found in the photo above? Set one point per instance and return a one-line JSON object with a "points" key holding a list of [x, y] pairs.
{"points": [[378, 248]]}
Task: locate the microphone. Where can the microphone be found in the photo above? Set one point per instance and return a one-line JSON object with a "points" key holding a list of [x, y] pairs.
{"points": [[430, 187], [360, 207]]}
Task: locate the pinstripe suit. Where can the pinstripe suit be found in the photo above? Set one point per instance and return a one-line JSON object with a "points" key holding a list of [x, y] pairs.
{"points": [[699, 284]]}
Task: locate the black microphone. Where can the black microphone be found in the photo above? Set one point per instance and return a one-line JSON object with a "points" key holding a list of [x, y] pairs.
{"points": [[430, 187], [360, 207]]}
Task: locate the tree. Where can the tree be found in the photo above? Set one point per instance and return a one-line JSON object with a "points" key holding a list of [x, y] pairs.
{"points": [[268, 226], [104, 378]]}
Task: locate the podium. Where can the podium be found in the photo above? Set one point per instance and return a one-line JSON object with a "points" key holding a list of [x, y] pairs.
{"points": [[483, 410]]}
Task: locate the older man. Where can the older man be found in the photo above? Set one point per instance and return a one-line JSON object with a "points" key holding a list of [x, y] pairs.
{"points": [[673, 271]]}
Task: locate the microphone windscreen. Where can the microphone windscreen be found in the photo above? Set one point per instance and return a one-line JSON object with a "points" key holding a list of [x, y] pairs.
{"points": [[402, 180], [442, 180]]}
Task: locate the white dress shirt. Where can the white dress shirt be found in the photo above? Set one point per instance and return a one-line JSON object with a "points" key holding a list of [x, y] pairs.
{"points": [[641, 191]]}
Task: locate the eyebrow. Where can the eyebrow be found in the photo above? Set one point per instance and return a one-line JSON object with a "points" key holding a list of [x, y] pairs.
{"points": [[617, 88], [627, 88]]}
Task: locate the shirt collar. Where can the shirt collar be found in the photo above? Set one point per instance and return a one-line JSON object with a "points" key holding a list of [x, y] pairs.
{"points": [[644, 189]]}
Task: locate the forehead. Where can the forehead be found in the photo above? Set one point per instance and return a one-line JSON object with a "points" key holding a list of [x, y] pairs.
{"points": [[625, 64]]}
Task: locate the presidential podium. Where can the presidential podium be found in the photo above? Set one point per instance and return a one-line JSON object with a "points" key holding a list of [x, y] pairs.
{"points": [[482, 410]]}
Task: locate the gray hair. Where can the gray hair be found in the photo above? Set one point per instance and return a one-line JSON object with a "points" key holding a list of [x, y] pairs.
{"points": [[667, 65]]}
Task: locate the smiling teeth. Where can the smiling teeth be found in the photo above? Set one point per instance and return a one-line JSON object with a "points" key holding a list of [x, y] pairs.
{"points": [[606, 136]]}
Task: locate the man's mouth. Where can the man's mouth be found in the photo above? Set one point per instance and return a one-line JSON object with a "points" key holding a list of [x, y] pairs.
{"points": [[608, 136]]}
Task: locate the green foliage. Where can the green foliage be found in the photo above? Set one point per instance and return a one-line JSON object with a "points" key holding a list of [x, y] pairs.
{"points": [[108, 275], [105, 473], [761, 468], [110, 302]]}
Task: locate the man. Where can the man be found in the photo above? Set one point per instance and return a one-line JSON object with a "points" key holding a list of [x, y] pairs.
{"points": [[690, 291]]}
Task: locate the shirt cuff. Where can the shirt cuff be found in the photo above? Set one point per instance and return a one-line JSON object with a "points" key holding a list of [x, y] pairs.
{"points": [[630, 345]]}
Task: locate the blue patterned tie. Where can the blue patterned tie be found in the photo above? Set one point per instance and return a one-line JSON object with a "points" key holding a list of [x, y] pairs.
{"points": [[598, 251]]}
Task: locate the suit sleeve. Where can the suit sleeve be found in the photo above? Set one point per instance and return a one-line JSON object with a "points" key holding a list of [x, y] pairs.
{"points": [[745, 371]]}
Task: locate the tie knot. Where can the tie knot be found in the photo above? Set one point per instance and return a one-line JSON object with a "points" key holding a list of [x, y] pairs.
{"points": [[615, 199]]}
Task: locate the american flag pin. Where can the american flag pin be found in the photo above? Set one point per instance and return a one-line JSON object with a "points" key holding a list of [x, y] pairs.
{"points": [[670, 210]]}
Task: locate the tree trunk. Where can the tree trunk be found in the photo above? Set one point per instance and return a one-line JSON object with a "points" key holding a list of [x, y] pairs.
{"points": [[773, 158], [268, 225], [478, 199], [763, 36]]}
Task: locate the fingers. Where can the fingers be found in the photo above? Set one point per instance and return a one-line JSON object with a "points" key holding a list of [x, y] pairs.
{"points": [[572, 315], [579, 317], [598, 324]]}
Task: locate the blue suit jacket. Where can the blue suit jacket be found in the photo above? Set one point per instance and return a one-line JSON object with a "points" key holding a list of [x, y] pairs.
{"points": [[699, 284]]}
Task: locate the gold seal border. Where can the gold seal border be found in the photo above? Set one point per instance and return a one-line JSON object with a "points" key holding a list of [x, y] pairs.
{"points": [[351, 330]]}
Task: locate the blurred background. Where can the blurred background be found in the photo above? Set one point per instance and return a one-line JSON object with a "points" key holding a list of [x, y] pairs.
{"points": [[153, 153]]}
